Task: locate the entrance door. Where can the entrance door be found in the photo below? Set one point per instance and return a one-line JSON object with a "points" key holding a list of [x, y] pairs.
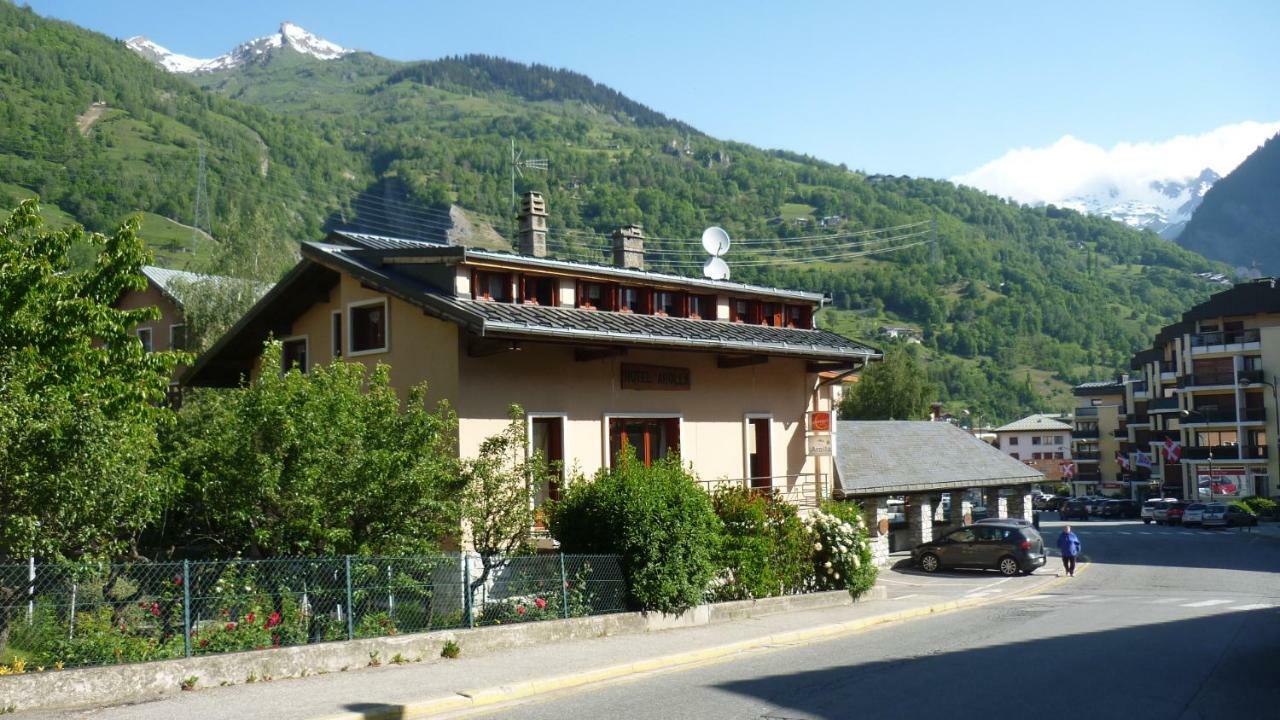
{"points": [[759, 453], [651, 438], [547, 437]]}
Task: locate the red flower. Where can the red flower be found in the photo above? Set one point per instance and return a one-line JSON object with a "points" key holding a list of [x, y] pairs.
{"points": [[155, 609], [540, 603], [231, 626], [248, 618], [177, 579], [204, 642], [273, 621], [520, 610]]}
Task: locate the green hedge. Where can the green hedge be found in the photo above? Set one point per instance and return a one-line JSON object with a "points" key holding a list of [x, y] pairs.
{"points": [[764, 548]]}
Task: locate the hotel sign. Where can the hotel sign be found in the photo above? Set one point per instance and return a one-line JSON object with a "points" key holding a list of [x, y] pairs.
{"points": [[654, 377]]}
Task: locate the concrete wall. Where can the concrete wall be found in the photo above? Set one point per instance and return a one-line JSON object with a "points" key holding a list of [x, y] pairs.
{"points": [[141, 682]]}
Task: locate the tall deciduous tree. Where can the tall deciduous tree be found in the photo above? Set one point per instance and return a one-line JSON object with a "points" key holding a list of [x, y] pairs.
{"points": [[79, 397], [895, 389], [326, 462]]}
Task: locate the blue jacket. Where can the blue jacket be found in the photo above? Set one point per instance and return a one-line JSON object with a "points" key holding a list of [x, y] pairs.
{"points": [[1069, 544]]}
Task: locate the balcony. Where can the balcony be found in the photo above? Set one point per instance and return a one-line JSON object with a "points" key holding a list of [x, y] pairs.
{"points": [[1219, 379], [1224, 416], [1230, 341], [1091, 456], [1140, 390], [1120, 433], [1084, 434], [1082, 412], [1224, 453], [1163, 405], [1139, 419]]}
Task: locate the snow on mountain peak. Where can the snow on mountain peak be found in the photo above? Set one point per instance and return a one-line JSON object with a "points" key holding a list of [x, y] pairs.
{"points": [[1155, 185], [289, 35]]}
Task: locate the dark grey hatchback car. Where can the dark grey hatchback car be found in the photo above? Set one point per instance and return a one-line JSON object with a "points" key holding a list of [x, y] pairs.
{"points": [[1009, 548]]}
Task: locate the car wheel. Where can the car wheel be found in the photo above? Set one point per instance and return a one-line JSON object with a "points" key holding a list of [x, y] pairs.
{"points": [[930, 563], [1009, 566]]}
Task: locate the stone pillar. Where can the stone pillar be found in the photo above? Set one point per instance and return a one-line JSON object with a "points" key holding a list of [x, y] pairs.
{"points": [[997, 507], [875, 511], [920, 518], [1020, 504], [961, 510]]}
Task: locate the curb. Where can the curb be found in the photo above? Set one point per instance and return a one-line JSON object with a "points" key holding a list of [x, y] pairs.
{"points": [[474, 699]]}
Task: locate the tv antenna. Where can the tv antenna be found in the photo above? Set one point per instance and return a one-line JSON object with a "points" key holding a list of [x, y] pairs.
{"points": [[716, 242], [519, 164]]}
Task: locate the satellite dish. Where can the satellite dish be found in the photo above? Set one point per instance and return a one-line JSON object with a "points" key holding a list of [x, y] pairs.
{"points": [[716, 268], [715, 241]]}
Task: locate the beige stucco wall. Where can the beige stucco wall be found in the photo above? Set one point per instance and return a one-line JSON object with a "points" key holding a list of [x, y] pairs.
{"points": [[170, 314]]}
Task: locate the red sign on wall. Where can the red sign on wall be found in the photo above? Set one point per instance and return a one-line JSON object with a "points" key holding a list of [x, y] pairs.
{"points": [[820, 421]]}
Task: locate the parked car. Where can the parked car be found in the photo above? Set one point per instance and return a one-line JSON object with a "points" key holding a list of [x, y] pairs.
{"points": [[1120, 509], [1073, 509], [1149, 508], [1238, 516], [1161, 514], [1212, 515], [1173, 515], [1193, 514], [1007, 547], [1094, 504], [1012, 521]]}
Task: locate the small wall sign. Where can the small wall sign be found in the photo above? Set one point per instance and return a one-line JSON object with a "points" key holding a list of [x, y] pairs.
{"points": [[818, 445], [654, 377], [820, 421]]}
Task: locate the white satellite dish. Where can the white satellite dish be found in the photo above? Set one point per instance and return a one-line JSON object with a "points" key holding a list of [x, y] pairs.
{"points": [[716, 269], [715, 241]]}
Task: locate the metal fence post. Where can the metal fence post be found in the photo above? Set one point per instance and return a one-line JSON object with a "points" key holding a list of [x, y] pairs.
{"points": [[466, 589], [31, 589], [351, 610], [186, 606], [564, 586]]}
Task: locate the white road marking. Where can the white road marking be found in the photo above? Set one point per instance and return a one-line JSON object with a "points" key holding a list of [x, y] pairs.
{"points": [[1208, 603], [1166, 601], [904, 597], [1256, 606], [1081, 597], [1033, 597]]}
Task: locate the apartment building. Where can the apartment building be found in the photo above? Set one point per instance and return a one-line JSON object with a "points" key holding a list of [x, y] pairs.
{"points": [[1042, 441], [1099, 424], [724, 373]]}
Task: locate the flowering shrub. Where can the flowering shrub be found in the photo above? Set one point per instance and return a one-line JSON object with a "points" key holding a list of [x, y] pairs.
{"points": [[841, 553], [245, 617]]}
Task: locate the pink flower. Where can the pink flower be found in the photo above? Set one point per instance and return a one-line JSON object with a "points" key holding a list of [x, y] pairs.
{"points": [[273, 621], [177, 579], [204, 642], [540, 603], [249, 617], [231, 626], [155, 609], [520, 610]]}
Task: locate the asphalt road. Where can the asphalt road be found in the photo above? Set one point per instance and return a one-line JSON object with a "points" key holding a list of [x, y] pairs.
{"points": [[1165, 623]]}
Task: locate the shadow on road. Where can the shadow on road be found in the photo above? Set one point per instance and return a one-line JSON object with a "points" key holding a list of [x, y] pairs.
{"points": [[381, 711], [1133, 672]]}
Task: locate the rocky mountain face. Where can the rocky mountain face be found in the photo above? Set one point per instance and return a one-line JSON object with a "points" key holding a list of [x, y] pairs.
{"points": [[289, 36], [1163, 206], [1239, 220]]}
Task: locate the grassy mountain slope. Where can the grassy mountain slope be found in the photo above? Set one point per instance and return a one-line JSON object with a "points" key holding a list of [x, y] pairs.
{"points": [[1239, 220], [1015, 303]]}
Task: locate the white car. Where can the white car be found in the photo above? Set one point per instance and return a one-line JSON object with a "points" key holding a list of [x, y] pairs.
{"points": [[1194, 514], [1149, 508], [1213, 515]]}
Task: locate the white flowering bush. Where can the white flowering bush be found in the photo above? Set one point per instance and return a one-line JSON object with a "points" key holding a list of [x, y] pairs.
{"points": [[841, 551]]}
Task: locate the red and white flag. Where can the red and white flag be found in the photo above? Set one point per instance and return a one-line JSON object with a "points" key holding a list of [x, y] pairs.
{"points": [[1172, 451], [1068, 470], [1122, 460]]}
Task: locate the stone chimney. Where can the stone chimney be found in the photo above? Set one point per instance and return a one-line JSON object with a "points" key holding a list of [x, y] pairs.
{"points": [[628, 247], [532, 225]]}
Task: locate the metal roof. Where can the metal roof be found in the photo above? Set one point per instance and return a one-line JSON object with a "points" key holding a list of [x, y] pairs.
{"points": [[1101, 387], [1032, 423], [895, 457], [171, 282]]}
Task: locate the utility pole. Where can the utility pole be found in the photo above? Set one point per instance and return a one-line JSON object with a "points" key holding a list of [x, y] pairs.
{"points": [[201, 204], [933, 250]]}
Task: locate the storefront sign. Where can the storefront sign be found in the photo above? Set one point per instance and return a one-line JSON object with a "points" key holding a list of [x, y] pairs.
{"points": [[1226, 482], [818, 445], [820, 421], [654, 377]]}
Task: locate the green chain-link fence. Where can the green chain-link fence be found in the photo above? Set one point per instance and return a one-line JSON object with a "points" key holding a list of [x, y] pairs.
{"points": [[94, 614]]}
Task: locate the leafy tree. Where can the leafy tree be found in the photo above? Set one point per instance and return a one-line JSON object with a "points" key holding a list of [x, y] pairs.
{"points": [[895, 389], [79, 398], [497, 501], [327, 462]]}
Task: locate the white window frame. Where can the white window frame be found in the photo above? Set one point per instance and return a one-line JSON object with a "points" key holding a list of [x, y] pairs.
{"points": [[386, 336], [151, 338], [746, 445], [306, 347], [336, 341], [171, 328], [604, 430]]}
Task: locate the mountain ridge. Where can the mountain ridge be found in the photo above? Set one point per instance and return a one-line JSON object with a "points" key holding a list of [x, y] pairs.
{"points": [[289, 36]]}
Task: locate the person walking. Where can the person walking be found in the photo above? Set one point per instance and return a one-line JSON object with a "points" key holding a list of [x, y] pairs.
{"points": [[1069, 545]]}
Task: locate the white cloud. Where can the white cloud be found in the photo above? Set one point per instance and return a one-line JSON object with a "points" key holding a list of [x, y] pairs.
{"points": [[1072, 167]]}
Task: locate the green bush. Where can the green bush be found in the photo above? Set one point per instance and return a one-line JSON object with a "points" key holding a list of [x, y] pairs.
{"points": [[1259, 505], [764, 548], [655, 518], [842, 552]]}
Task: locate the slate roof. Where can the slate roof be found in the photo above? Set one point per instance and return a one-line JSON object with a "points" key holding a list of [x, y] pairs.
{"points": [[1101, 387], [895, 457], [1033, 423]]}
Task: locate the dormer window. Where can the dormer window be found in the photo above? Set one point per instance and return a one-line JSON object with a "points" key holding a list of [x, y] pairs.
{"points": [[491, 286], [800, 316], [742, 311], [537, 290], [771, 314], [635, 300], [595, 296], [702, 307], [671, 304]]}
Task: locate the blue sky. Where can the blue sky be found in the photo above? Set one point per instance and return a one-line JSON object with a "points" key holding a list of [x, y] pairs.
{"points": [[919, 88]]}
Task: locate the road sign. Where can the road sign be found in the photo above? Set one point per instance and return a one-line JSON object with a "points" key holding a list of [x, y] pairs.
{"points": [[820, 421], [818, 445]]}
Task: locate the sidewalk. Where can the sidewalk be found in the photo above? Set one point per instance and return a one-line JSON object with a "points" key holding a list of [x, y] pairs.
{"points": [[440, 686]]}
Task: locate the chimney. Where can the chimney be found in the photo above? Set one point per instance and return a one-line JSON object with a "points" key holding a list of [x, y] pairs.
{"points": [[628, 247], [533, 225]]}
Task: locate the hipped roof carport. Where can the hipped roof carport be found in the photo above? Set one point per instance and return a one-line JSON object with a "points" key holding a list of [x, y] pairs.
{"points": [[898, 457]]}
